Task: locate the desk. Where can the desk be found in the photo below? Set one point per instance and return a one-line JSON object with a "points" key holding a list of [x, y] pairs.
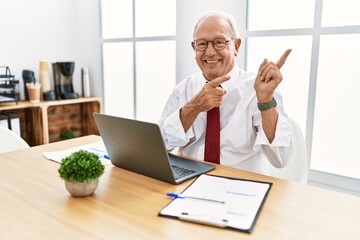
{"points": [[36, 205]]}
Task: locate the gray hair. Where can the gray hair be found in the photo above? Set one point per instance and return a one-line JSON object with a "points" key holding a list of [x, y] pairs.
{"points": [[220, 15]]}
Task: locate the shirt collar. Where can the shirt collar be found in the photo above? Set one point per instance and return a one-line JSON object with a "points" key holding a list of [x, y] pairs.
{"points": [[234, 73]]}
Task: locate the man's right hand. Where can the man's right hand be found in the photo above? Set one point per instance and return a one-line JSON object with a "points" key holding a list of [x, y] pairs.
{"points": [[209, 97], [211, 94]]}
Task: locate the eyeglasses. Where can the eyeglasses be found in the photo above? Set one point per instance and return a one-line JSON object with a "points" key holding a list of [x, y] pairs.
{"points": [[218, 44]]}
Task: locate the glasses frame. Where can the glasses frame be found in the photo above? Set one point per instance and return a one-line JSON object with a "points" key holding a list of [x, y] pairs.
{"points": [[212, 41]]}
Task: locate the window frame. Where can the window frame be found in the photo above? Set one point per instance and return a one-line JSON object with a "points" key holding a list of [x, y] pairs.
{"points": [[134, 39], [315, 177]]}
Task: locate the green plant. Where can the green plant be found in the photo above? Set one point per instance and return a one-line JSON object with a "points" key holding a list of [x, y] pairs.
{"points": [[81, 166], [67, 134]]}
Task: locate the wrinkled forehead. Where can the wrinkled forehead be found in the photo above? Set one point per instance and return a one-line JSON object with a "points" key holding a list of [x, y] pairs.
{"points": [[211, 27]]}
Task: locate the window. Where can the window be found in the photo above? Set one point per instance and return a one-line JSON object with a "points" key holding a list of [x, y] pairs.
{"points": [[296, 70], [117, 19], [280, 14], [340, 13], [320, 86], [155, 69], [138, 56], [336, 122], [118, 78]]}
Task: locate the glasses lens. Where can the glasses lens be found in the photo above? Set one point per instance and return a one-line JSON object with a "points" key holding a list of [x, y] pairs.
{"points": [[219, 43], [201, 44]]}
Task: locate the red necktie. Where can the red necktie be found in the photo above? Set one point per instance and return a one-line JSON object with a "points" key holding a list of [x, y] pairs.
{"points": [[212, 137]]}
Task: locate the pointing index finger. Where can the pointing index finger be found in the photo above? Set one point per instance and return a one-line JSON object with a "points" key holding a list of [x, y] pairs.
{"points": [[283, 58], [217, 81]]}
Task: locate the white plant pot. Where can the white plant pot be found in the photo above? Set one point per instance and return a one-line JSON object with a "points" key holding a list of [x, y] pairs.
{"points": [[82, 189]]}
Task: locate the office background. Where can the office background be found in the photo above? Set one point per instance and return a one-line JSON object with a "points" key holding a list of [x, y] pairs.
{"points": [[135, 48]]}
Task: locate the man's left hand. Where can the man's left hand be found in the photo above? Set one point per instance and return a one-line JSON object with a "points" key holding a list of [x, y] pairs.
{"points": [[269, 77]]}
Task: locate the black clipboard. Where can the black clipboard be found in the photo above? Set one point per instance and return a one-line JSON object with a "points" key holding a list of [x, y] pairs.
{"points": [[213, 206]]}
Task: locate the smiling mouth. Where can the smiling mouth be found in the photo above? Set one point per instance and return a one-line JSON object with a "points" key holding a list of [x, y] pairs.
{"points": [[211, 61]]}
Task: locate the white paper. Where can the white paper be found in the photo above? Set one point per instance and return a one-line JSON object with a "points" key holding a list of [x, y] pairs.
{"points": [[98, 148], [242, 201]]}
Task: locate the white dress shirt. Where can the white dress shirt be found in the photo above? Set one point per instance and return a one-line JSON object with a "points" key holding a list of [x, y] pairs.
{"points": [[243, 143]]}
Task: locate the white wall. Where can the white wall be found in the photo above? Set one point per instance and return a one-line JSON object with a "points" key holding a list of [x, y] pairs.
{"points": [[69, 30], [52, 31]]}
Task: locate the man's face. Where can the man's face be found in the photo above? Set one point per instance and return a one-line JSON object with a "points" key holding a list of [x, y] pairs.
{"points": [[215, 63]]}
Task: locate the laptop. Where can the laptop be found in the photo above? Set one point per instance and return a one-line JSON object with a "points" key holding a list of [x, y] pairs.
{"points": [[138, 146]]}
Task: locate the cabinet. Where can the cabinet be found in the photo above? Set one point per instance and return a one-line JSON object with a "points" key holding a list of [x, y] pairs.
{"points": [[41, 123]]}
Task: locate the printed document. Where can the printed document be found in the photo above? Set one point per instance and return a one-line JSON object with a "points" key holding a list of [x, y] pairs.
{"points": [[220, 201], [98, 148]]}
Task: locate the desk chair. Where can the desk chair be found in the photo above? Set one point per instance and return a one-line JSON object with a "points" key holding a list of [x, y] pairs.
{"points": [[10, 141], [297, 168]]}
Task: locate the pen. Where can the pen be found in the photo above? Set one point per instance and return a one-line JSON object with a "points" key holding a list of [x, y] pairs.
{"points": [[206, 220], [175, 195], [101, 155]]}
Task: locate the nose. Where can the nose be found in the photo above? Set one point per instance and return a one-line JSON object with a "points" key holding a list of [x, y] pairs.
{"points": [[210, 48]]}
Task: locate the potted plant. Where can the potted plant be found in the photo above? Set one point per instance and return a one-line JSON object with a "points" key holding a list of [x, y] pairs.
{"points": [[81, 171], [67, 134]]}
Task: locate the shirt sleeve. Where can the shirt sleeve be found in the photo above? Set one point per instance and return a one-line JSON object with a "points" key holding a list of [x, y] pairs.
{"points": [[170, 124], [173, 132], [279, 151]]}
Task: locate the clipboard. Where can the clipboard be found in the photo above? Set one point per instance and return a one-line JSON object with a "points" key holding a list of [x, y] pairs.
{"points": [[218, 201]]}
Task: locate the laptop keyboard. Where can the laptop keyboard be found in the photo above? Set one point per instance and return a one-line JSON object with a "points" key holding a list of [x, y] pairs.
{"points": [[180, 172]]}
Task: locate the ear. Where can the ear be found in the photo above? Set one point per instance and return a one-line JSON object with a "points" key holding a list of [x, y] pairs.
{"points": [[193, 45], [237, 43]]}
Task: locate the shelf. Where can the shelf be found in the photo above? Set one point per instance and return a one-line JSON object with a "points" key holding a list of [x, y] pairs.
{"points": [[41, 123]]}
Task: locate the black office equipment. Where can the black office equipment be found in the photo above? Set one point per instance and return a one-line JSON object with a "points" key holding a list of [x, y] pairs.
{"points": [[7, 85], [63, 79]]}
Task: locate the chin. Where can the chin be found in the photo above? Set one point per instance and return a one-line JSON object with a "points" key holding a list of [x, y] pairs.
{"points": [[211, 76], [213, 73]]}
